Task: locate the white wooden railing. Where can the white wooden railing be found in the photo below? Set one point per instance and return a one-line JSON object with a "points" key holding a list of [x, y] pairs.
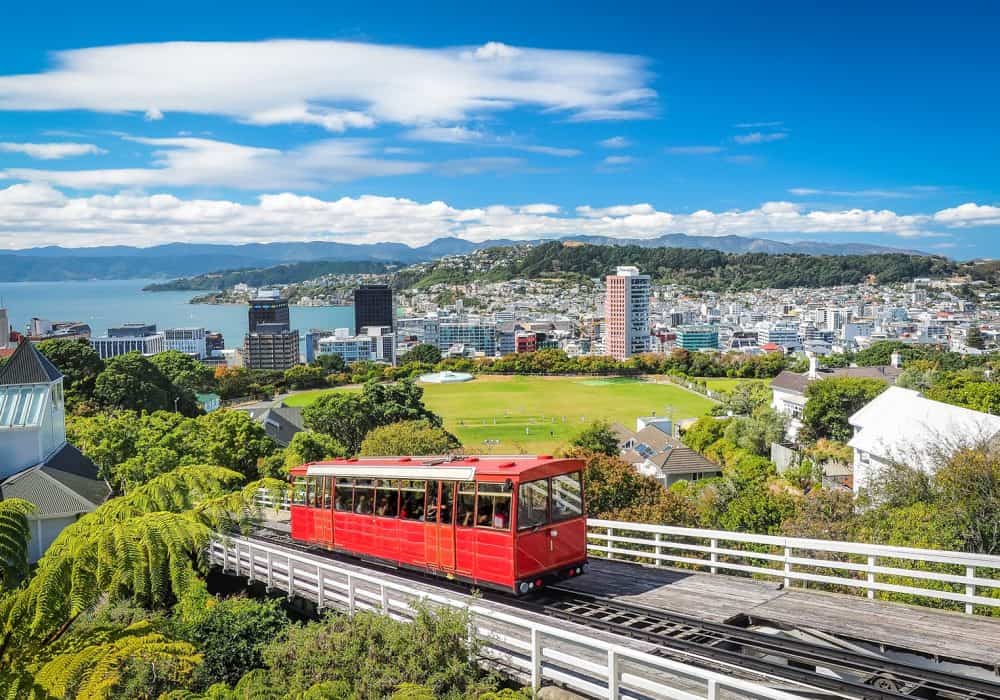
{"points": [[534, 651], [928, 574], [931, 576]]}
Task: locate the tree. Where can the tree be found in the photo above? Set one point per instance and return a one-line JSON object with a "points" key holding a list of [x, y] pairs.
{"points": [[597, 437], [344, 416], [969, 486], [309, 446], [133, 382], [398, 401], [830, 402], [415, 437], [756, 433], [330, 362], [304, 377], [703, 432], [14, 535], [424, 353], [232, 439], [79, 363], [183, 370], [974, 338], [745, 399]]}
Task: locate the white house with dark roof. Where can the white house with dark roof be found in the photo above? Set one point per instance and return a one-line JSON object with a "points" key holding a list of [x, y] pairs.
{"points": [[654, 452], [36, 462], [901, 426]]}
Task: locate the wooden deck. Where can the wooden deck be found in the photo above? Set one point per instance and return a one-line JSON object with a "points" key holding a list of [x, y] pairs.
{"points": [[720, 598]]}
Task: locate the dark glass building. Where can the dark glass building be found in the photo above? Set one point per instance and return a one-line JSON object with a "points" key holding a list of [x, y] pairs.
{"points": [[372, 306], [269, 309]]}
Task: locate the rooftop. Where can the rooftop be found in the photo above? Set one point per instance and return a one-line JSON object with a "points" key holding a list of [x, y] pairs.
{"points": [[28, 366]]}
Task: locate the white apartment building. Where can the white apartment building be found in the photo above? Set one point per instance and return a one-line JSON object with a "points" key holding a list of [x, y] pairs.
{"points": [[626, 312], [108, 346], [787, 336]]}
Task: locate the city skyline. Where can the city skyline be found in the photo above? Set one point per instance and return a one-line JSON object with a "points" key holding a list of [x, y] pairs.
{"points": [[354, 126]]}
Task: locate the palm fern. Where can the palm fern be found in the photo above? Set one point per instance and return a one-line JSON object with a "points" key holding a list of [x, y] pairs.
{"points": [[94, 671], [14, 535]]}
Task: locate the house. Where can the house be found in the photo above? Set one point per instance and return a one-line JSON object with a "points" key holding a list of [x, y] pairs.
{"points": [[901, 426], [654, 452], [280, 422], [788, 389], [36, 462]]}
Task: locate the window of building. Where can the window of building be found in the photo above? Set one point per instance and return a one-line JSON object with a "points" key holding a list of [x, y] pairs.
{"points": [[343, 498], [493, 506], [533, 504], [567, 497], [411, 499]]}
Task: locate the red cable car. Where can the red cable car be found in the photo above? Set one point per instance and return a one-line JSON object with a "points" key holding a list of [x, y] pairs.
{"points": [[513, 523]]}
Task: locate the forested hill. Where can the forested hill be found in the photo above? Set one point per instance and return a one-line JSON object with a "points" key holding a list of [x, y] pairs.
{"points": [[700, 269], [264, 276]]}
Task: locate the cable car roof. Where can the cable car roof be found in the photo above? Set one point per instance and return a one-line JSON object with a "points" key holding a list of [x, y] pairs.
{"points": [[459, 468]]}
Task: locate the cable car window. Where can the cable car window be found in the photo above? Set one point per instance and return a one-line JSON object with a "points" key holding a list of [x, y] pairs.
{"points": [[316, 493], [364, 496], [345, 493], [310, 490], [447, 502], [493, 506], [533, 504], [411, 499], [386, 498], [431, 507], [466, 504], [567, 497], [327, 492], [299, 491]]}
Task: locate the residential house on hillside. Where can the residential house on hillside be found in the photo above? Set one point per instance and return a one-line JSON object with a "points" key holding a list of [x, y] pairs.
{"points": [[901, 426], [280, 422], [654, 452], [36, 462], [788, 389]]}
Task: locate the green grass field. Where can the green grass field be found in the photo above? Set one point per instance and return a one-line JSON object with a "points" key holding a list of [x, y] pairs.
{"points": [[727, 384], [537, 414]]}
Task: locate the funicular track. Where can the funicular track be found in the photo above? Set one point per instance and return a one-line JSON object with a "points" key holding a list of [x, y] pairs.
{"points": [[832, 672]]}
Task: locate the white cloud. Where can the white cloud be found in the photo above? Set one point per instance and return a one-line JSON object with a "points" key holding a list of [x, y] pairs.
{"points": [[904, 193], [615, 142], [334, 84], [51, 151], [618, 160], [760, 137], [189, 162], [759, 125], [693, 150], [969, 214], [38, 214]]}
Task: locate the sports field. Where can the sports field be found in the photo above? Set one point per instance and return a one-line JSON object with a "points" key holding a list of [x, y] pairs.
{"points": [[537, 414]]}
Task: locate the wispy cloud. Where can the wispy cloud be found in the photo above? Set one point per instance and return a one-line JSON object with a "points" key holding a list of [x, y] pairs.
{"points": [[760, 137], [693, 150], [618, 160], [873, 193], [52, 151], [39, 214], [615, 142], [464, 135], [758, 125], [335, 85]]}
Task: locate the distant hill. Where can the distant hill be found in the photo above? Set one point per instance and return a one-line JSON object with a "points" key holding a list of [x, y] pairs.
{"points": [[188, 259]]}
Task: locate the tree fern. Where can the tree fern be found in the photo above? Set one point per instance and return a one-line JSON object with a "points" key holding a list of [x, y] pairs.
{"points": [[14, 535]]}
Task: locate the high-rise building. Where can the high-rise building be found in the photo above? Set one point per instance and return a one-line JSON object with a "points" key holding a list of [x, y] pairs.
{"points": [[271, 346], [626, 313], [268, 307], [214, 342], [4, 329], [480, 335], [190, 341], [372, 306]]}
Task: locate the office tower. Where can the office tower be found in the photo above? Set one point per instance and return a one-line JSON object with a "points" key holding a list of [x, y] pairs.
{"points": [[271, 346], [698, 337], [626, 313], [4, 329], [268, 307], [372, 306], [129, 337], [190, 341]]}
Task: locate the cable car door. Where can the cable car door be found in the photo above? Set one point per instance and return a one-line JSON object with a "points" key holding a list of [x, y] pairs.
{"points": [[439, 538]]}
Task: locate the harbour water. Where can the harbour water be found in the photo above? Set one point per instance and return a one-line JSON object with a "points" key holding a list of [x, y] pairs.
{"points": [[106, 303]]}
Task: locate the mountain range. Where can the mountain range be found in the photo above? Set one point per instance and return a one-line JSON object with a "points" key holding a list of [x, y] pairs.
{"points": [[182, 259]]}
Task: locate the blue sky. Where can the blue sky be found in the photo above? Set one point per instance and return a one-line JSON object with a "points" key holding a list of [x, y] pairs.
{"points": [[142, 123]]}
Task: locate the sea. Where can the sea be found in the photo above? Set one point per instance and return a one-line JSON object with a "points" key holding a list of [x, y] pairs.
{"points": [[108, 303]]}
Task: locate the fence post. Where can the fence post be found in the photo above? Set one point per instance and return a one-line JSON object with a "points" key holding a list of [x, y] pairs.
{"points": [[788, 567], [871, 577], [320, 589], [613, 673], [970, 588], [225, 556], [713, 689], [659, 550], [350, 595], [290, 573], [714, 555], [236, 571], [270, 571], [611, 533], [385, 598], [536, 659]]}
